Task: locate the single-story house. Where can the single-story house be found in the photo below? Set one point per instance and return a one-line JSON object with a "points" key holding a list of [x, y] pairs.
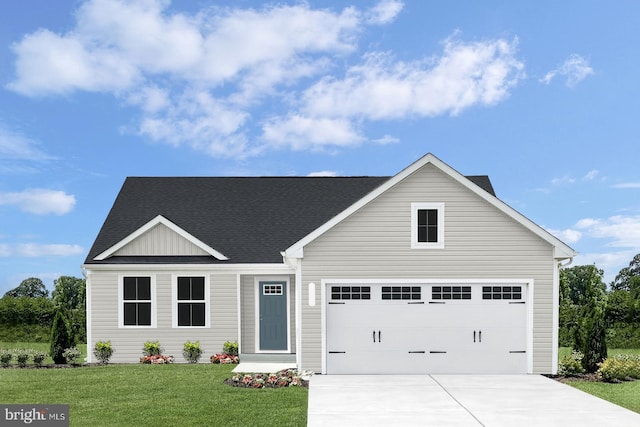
{"points": [[426, 271]]}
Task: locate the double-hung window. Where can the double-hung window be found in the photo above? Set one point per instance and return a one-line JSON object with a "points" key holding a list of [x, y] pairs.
{"points": [[191, 301], [136, 301], [427, 225]]}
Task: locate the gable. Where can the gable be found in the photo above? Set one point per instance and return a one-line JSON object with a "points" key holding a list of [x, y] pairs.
{"points": [[560, 249], [160, 240]]}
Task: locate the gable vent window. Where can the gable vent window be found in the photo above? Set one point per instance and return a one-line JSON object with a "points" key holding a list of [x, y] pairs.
{"points": [[192, 305], [351, 292], [502, 292], [401, 292], [136, 300], [450, 292], [427, 225]]}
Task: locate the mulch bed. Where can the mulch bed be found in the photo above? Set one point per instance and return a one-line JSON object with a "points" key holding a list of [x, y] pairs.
{"points": [[232, 383]]}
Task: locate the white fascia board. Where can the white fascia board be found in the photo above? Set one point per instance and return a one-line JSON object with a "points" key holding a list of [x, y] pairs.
{"points": [[148, 226], [561, 250], [264, 269]]}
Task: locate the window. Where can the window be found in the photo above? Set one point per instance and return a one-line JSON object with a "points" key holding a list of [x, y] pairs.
{"points": [[191, 301], [136, 297], [351, 292], [450, 292], [502, 292], [272, 289], [401, 292], [427, 225]]}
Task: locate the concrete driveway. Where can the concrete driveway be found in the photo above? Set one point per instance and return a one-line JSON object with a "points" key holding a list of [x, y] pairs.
{"points": [[457, 400]]}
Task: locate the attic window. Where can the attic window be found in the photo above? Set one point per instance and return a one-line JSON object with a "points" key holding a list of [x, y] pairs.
{"points": [[427, 225]]}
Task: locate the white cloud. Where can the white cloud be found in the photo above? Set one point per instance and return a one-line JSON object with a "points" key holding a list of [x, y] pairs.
{"points": [[627, 185], [622, 231], [575, 69], [14, 146], [40, 201], [323, 173], [465, 75], [384, 12], [567, 236], [563, 180], [39, 250], [591, 175], [200, 79]]}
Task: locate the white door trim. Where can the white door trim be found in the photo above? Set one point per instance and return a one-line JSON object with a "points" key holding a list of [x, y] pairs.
{"points": [[257, 281]]}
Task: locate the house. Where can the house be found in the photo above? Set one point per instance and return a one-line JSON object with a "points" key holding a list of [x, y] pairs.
{"points": [[426, 271]]}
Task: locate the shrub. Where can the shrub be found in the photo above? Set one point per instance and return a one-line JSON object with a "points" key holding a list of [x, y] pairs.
{"points": [[60, 337], [103, 351], [620, 368], [22, 357], [38, 357], [192, 351], [71, 355], [230, 347], [571, 364], [5, 357], [152, 348]]}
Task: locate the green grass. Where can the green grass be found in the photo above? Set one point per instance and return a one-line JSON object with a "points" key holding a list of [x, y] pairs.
{"points": [[42, 346], [625, 394], [150, 395]]}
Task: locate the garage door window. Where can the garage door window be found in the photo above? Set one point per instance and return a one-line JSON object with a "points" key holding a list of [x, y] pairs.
{"points": [[502, 292], [401, 293], [450, 292], [350, 292]]}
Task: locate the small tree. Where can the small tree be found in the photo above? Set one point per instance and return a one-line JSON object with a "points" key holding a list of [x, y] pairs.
{"points": [[60, 337]]}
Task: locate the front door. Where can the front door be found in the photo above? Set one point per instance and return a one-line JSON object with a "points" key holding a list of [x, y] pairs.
{"points": [[273, 316]]}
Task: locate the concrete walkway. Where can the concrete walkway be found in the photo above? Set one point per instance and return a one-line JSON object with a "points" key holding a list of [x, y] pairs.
{"points": [[457, 400]]}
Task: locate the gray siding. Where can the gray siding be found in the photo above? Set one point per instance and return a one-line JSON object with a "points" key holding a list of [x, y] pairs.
{"points": [[160, 241], [128, 342], [480, 243]]}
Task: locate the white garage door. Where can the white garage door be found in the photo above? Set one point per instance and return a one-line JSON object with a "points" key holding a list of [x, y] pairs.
{"points": [[426, 328]]}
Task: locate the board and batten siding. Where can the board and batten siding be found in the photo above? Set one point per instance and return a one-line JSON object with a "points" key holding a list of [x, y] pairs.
{"points": [[128, 342], [160, 241], [248, 311], [481, 242]]}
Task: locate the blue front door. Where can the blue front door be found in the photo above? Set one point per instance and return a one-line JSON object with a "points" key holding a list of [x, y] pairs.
{"points": [[273, 315]]}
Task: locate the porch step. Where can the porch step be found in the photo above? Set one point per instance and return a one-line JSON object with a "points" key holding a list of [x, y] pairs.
{"points": [[268, 358]]}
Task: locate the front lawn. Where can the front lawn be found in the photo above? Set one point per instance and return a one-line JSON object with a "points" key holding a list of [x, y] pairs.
{"points": [[150, 395]]}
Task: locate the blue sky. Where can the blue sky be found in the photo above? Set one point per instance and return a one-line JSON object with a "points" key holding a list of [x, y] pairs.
{"points": [[541, 96]]}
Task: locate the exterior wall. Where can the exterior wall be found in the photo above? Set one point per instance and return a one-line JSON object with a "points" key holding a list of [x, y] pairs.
{"points": [[248, 312], [481, 242], [160, 241], [128, 342]]}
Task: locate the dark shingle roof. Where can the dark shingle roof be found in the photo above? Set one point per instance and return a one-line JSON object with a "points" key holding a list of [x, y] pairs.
{"points": [[249, 220]]}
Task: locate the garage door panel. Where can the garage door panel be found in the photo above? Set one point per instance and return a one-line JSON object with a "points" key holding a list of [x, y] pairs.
{"points": [[465, 329]]}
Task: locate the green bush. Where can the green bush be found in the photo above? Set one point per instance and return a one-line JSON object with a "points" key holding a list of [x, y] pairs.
{"points": [[72, 355], [230, 347], [103, 351], [624, 335], [621, 367], [571, 364], [22, 357], [5, 357], [192, 351], [152, 348], [60, 337], [38, 357]]}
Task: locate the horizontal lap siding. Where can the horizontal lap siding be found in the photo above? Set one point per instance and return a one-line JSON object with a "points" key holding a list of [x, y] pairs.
{"points": [[160, 240], [128, 342], [480, 243]]}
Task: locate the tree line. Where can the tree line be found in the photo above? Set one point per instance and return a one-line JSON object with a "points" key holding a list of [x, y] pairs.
{"points": [[594, 317], [27, 312]]}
